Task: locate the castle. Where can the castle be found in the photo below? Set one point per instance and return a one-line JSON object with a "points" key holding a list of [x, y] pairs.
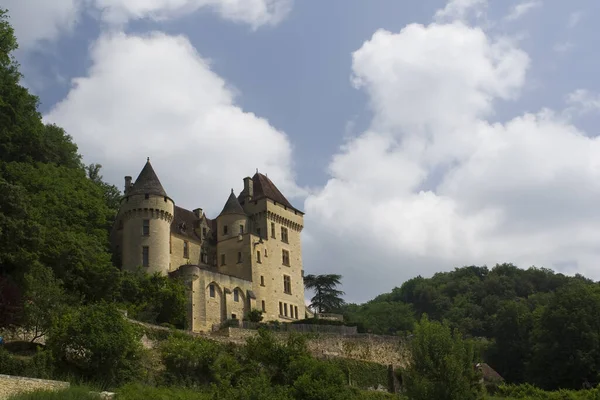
{"points": [[248, 257]]}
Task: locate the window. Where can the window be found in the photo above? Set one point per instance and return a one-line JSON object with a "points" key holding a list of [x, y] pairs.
{"points": [[233, 316], [222, 259], [236, 295], [211, 289], [273, 230], [280, 308], [287, 284], [285, 255], [285, 309], [284, 234], [203, 232], [186, 249], [296, 311], [146, 196], [146, 228], [239, 257], [146, 256], [203, 258], [165, 198], [224, 229], [258, 232], [170, 244], [241, 229], [264, 307], [266, 253], [258, 256], [262, 280]]}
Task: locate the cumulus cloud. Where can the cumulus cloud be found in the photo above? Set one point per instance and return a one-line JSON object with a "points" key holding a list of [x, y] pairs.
{"points": [[521, 9], [433, 184], [155, 96], [35, 20], [39, 20]]}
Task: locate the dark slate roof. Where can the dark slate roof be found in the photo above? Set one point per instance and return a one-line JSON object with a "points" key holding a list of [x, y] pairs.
{"points": [[232, 206], [147, 182], [184, 222], [264, 187]]}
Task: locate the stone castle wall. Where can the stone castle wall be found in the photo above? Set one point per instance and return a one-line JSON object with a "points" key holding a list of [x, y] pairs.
{"points": [[12, 385]]}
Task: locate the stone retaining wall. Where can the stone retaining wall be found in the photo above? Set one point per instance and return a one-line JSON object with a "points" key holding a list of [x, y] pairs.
{"points": [[11, 385]]}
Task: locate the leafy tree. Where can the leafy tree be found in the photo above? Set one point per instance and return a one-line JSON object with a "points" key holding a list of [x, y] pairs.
{"points": [[44, 298], [327, 298], [442, 365], [382, 317], [255, 315], [97, 343]]}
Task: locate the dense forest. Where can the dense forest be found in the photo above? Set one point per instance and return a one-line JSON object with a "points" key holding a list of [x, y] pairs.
{"points": [[533, 325]]}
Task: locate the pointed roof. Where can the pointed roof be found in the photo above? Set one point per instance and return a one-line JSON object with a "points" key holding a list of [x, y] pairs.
{"points": [[232, 206], [264, 187], [147, 182]]}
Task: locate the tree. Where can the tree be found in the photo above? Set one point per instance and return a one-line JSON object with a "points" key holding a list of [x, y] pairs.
{"points": [[327, 298], [442, 365], [44, 298]]}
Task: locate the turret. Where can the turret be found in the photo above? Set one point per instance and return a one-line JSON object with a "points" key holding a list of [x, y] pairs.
{"points": [[232, 221], [147, 215]]}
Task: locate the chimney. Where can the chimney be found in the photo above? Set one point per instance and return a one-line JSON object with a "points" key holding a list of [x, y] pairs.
{"points": [[198, 212], [127, 184], [248, 188]]}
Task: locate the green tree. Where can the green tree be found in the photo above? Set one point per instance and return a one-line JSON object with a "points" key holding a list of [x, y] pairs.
{"points": [[441, 366], [44, 299], [327, 297], [97, 343]]}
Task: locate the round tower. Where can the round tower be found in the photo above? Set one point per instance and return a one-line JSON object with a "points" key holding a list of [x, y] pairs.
{"points": [[147, 213], [232, 221]]}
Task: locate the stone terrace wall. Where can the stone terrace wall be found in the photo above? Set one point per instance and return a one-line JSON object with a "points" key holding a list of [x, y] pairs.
{"points": [[11, 385]]}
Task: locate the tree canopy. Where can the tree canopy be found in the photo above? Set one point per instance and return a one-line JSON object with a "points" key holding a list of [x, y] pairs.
{"points": [[327, 297]]}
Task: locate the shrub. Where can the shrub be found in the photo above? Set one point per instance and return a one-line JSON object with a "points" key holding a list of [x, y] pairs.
{"points": [[74, 393], [97, 343]]}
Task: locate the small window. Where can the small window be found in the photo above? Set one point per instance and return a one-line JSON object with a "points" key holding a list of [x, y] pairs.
{"points": [[262, 280], [236, 295], [146, 256], [296, 311], [287, 284], [165, 198], [239, 257], [264, 306], [233, 316], [258, 256], [211, 289], [285, 309], [222, 259], [170, 245], [273, 230], [280, 308], [146, 196], [224, 229], [186, 249], [258, 232], [284, 234], [241, 229], [266, 253], [146, 228], [285, 255]]}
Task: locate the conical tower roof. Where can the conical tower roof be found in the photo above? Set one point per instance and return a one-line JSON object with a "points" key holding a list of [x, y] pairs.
{"points": [[232, 206], [147, 182]]}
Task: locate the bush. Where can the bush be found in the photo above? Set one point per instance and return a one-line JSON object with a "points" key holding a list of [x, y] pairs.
{"points": [[97, 344], [74, 393], [362, 374]]}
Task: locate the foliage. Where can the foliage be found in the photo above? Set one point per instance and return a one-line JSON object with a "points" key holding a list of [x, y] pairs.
{"points": [[362, 374], [97, 343], [382, 317], [529, 392], [327, 298], [255, 315], [441, 365], [41, 365], [73, 393], [44, 299]]}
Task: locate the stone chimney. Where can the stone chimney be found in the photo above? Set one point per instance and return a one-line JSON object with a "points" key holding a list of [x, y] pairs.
{"points": [[127, 184], [198, 212], [248, 188]]}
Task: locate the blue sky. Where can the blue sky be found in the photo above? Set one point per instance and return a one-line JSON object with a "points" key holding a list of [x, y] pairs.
{"points": [[418, 136]]}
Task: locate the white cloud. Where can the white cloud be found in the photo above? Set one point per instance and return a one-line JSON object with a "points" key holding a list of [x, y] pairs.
{"points": [[582, 101], [35, 20], [521, 9], [574, 19], [461, 10], [155, 96], [563, 47], [39, 20], [433, 185]]}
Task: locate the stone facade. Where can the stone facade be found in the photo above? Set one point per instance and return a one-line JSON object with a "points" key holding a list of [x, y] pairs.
{"points": [[249, 256], [13, 385]]}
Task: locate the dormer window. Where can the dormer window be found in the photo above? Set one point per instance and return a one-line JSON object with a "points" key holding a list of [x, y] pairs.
{"points": [[182, 227]]}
